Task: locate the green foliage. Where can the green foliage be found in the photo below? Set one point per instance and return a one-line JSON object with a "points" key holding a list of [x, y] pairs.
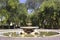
{"points": [[14, 12], [13, 3], [22, 14], [4, 15], [18, 12], [49, 14], [34, 19]]}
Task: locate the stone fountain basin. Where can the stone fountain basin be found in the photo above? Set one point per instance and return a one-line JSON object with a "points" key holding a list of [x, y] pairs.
{"points": [[35, 31]]}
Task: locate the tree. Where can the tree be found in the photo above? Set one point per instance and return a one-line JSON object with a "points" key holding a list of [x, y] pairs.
{"points": [[35, 20], [22, 14], [13, 4], [4, 15], [18, 12], [48, 14]]}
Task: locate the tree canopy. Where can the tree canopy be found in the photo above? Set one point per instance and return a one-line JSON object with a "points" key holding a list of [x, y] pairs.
{"points": [[46, 13]]}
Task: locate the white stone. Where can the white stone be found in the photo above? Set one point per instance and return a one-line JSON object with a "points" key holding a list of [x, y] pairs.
{"points": [[9, 35], [22, 35], [35, 36], [43, 35], [33, 33], [18, 33], [22, 31], [11, 24]]}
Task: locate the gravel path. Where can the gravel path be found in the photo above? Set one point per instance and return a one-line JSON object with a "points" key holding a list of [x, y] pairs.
{"points": [[51, 38], [42, 38]]}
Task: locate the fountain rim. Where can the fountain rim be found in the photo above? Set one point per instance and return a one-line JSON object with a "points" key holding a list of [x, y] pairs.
{"points": [[29, 27], [32, 37]]}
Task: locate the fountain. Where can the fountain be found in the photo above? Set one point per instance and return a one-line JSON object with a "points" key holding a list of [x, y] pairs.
{"points": [[29, 29]]}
